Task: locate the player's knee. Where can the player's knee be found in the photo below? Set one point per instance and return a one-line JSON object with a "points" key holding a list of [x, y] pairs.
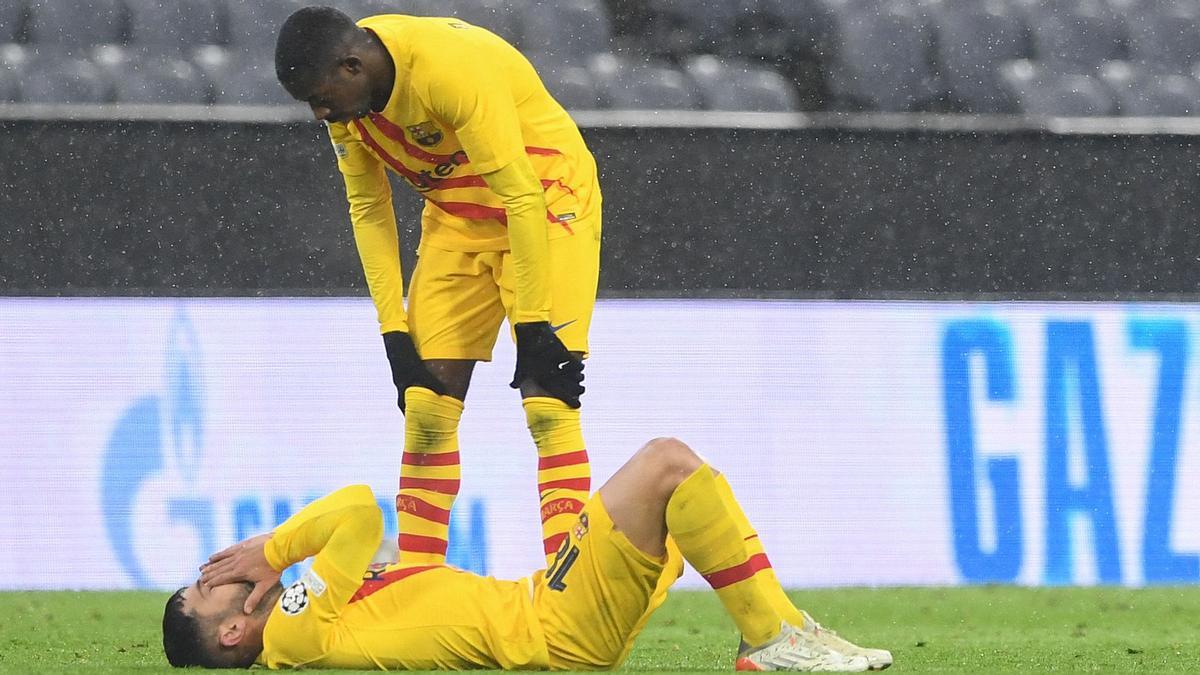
{"points": [[672, 461]]}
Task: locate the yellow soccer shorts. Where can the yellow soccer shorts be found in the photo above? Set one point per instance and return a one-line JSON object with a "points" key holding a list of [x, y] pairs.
{"points": [[457, 300], [599, 593]]}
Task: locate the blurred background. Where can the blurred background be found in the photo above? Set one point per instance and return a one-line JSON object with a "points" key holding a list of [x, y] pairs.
{"points": [[916, 274]]}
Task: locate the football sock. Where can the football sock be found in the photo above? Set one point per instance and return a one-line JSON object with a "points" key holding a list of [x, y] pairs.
{"points": [[707, 535], [564, 475], [429, 475], [766, 577]]}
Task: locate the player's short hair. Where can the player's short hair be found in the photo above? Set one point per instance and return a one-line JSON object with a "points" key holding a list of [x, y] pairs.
{"points": [[185, 642], [310, 43]]}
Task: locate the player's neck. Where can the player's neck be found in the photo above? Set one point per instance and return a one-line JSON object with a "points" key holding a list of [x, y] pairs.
{"points": [[383, 72]]}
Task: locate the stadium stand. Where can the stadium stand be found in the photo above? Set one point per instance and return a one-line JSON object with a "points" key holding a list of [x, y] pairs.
{"points": [[572, 86], [727, 84], [12, 21], [235, 77], [1164, 39], [843, 55], [10, 86], [675, 29], [882, 59], [626, 83], [58, 23], [1044, 91], [974, 40], [571, 30], [1140, 93], [502, 17], [252, 26], [146, 75], [55, 78], [176, 26], [1075, 35]]}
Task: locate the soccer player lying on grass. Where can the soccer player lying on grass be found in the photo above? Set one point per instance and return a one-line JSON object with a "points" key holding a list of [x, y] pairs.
{"points": [[582, 613]]}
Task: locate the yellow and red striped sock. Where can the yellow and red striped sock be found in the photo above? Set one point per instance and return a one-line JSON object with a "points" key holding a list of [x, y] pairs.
{"points": [[707, 535], [564, 475], [766, 577], [429, 475]]}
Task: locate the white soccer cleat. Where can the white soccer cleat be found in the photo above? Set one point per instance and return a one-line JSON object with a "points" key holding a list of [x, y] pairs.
{"points": [[877, 659], [801, 650]]}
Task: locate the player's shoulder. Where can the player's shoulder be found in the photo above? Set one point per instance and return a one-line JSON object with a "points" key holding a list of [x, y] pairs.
{"points": [[417, 31]]}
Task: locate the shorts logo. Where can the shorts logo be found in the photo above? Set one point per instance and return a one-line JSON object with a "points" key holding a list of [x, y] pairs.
{"points": [[340, 150], [581, 527], [425, 133], [294, 600]]}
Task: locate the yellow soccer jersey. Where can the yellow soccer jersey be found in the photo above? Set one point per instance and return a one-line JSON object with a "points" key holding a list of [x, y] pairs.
{"points": [[391, 617], [465, 104]]}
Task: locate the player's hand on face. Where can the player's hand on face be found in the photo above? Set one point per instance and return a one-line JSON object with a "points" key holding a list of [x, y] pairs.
{"points": [[244, 561], [408, 370], [544, 359]]}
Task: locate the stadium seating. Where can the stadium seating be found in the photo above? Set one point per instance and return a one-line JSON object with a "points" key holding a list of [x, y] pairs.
{"points": [[502, 17], [75, 26], [573, 30], [882, 59], [1140, 93], [870, 55], [1074, 35], [1165, 39], [10, 85], [146, 75], [1045, 91], [738, 85], [675, 29], [777, 30], [630, 84], [238, 78], [64, 79], [177, 26], [12, 21], [974, 40], [253, 26], [572, 86]]}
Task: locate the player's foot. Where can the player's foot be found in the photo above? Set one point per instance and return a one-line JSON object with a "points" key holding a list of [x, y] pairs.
{"points": [[798, 649], [877, 659]]}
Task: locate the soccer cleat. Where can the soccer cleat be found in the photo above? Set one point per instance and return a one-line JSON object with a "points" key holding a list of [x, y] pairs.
{"points": [[877, 659], [798, 649]]}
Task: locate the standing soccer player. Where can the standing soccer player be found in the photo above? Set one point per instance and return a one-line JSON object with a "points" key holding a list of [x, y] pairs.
{"points": [[510, 228]]}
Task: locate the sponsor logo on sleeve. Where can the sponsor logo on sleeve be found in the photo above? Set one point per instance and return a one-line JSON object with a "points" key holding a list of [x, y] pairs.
{"points": [[313, 582]]}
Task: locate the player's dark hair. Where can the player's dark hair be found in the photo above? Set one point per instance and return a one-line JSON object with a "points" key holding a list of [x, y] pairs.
{"points": [[310, 43], [182, 641], [185, 645]]}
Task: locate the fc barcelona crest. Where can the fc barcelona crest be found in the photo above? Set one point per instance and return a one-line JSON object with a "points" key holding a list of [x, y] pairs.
{"points": [[425, 133]]}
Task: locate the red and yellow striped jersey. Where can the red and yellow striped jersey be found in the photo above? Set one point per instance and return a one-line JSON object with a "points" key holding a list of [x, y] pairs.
{"points": [[396, 618], [464, 104]]}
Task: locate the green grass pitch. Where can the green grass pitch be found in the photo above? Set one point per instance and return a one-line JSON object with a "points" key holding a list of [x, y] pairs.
{"points": [[959, 630]]}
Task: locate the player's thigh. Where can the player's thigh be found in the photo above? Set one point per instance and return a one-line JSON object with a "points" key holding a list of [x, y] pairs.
{"points": [[574, 276], [454, 306], [593, 600]]}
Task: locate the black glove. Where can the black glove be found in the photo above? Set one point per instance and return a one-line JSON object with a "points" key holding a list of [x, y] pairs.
{"points": [[543, 358], [407, 368]]}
